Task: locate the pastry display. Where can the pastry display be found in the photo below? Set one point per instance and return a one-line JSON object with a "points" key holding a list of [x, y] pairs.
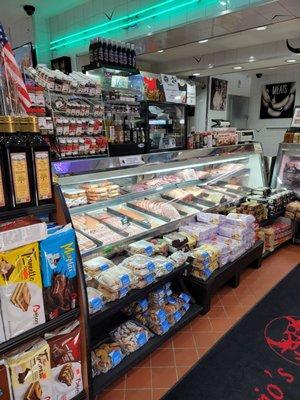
{"points": [[124, 226], [155, 182]]}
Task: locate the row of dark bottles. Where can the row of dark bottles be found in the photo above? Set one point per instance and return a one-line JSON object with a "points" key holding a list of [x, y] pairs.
{"points": [[110, 52], [25, 169]]}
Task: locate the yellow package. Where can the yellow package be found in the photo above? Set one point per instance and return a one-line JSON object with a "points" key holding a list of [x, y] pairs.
{"points": [[21, 293], [30, 371]]}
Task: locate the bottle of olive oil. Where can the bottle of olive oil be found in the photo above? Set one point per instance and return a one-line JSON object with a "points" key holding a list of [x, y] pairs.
{"points": [[40, 154], [5, 198], [20, 167]]}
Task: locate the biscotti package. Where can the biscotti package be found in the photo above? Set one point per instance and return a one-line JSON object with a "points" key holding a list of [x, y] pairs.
{"points": [[30, 371], [21, 292], [5, 384], [65, 356], [58, 263]]}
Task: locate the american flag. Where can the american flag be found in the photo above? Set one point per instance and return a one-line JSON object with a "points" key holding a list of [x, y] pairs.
{"points": [[12, 70]]}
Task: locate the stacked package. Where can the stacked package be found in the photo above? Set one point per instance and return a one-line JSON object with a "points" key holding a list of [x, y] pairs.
{"points": [[293, 210], [142, 268], [125, 339], [279, 232], [100, 191], [201, 231], [204, 260], [257, 209]]}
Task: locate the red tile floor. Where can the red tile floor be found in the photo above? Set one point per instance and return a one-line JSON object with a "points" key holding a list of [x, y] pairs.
{"points": [[162, 369]]}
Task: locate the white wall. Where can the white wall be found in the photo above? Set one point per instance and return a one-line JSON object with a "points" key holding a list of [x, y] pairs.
{"points": [[270, 132], [19, 30]]}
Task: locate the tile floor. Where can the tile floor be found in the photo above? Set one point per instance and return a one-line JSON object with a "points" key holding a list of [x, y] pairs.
{"points": [[151, 379]]}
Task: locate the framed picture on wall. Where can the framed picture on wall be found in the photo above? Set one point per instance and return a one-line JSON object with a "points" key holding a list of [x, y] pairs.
{"points": [[296, 118], [218, 94], [278, 100]]}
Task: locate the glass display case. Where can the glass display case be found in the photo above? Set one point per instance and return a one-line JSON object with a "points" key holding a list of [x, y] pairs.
{"points": [[118, 200], [286, 174], [165, 125]]}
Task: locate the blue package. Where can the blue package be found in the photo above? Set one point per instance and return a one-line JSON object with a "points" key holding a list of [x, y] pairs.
{"points": [[116, 357], [125, 280], [185, 297], [58, 267], [177, 316], [141, 338], [143, 304]]}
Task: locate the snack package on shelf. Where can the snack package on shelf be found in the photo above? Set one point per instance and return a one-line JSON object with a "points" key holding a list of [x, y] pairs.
{"points": [[21, 231], [141, 247], [293, 210], [106, 356], [139, 264], [210, 218], [59, 272], [279, 232], [21, 294], [30, 371], [97, 264], [178, 258], [5, 382], [257, 209], [176, 241], [74, 197], [164, 265], [95, 300], [100, 191], [161, 246], [65, 355], [131, 336], [137, 307], [241, 220], [200, 230]]}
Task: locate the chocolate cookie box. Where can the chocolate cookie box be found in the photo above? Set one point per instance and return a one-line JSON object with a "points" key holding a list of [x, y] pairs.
{"points": [[65, 356], [58, 264], [5, 384]]}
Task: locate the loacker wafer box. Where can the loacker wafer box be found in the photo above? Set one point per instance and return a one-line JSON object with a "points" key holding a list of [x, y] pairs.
{"points": [[21, 293], [30, 371]]}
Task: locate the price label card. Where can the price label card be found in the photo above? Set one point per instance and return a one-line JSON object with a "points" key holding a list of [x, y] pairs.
{"points": [[131, 160]]}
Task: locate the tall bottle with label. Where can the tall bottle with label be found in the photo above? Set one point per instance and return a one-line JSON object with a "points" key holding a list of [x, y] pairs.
{"points": [[20, 167], [5, 198], [41, 162], [105, 51], [133, 56], [100, 51]]}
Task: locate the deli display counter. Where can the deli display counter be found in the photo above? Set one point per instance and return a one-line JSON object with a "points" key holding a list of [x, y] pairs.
{"points": [[286, 173]]}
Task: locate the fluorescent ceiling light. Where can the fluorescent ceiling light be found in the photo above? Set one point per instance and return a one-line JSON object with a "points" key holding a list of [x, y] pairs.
{"points": [[223, 3], [272, 67], [251, 59], [237, 67], [261, 28], [210, 66], [203, 41], [196, 74], [290, 60], [160, 51]]}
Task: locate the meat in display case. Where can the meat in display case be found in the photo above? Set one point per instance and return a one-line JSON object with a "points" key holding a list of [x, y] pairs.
{"points": [[286, 174]]}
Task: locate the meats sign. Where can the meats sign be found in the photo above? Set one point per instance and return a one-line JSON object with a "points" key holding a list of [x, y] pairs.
{"points": [[278, 100]]}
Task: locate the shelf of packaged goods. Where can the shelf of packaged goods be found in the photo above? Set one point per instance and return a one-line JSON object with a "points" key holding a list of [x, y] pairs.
{"points": [[21, 212], [136, 195], [102, 381], [39, 330], [98, 65], [135, 294], [268, 253], [270, 220], [202, 291], [82, 157]]}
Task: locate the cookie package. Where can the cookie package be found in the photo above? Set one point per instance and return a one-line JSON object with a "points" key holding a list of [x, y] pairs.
{"points": [[58, 263], [21, 292]]}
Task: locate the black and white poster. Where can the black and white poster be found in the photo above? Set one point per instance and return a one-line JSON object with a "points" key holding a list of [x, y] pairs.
{"points": [[218, 94], [278, 100]]}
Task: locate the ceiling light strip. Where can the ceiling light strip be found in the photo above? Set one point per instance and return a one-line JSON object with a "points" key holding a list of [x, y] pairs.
{"points": [[135, 14], [89, 36]]}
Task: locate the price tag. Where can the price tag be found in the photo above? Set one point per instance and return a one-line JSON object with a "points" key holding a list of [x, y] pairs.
{"points": [[185, 297], [161, 315], [131, 160], [141, 338], [124, 220], [177, 316], [151, 266], [116, 357]]}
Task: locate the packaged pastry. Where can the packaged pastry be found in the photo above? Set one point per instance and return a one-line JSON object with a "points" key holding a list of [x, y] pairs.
{"points": [[242, 220], [30, 371], [21, 231], [97, 264], [210, 218], [139, 264], [175, 241], [74, 197], [136, 307], [187, 174], [200, 230], [141, 247], [95, 300], [65, 355], [144, 281], [58, 262], [5, 383], [21, 294], [109, 295], [106, 356], [161, 246], [164, 265], [160, 329], [178, 258], [115, 278], [84, 243], [131, 336]]}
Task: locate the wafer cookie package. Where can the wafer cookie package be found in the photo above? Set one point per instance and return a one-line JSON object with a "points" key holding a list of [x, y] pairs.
{"points": [[21, 293]]}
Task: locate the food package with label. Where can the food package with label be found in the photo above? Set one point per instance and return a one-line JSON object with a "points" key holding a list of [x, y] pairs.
{"points": [[176, 241], [21, 294], [21, 231], [191, 241], [115, 278], [95, 300], [164, 266], [5, 382], [178, 258], [234, 232], [210, 218], [200, 230], [139, 264], [97, 264], [203, 274], [131, 336], [58, 262], [137, 307], [30, 371], [155, 318], [74, 197], [161, 246], [242, 220], [144, 281], [106, 356], [65, 355], [188, 174], [141, 247]]}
